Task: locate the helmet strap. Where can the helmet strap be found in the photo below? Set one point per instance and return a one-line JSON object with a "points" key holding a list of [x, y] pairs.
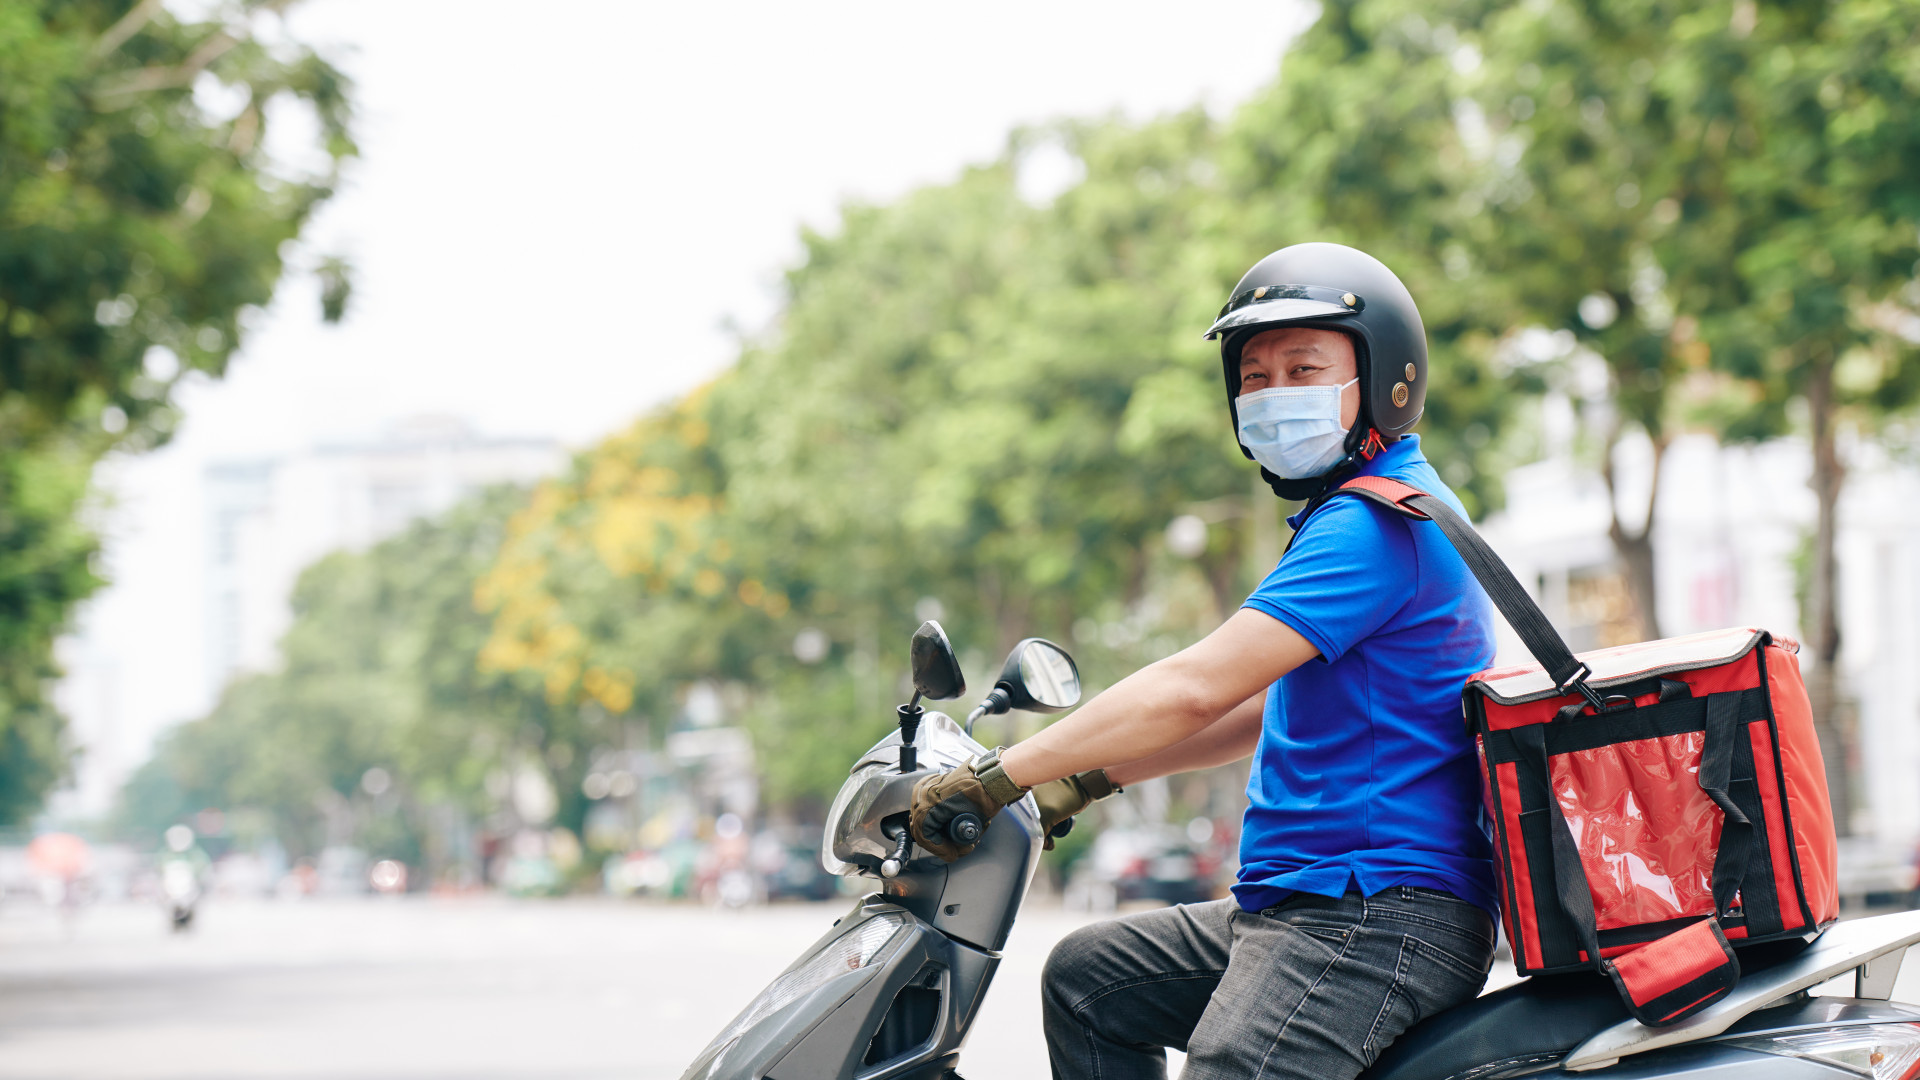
{"points": [[1303, 490]]}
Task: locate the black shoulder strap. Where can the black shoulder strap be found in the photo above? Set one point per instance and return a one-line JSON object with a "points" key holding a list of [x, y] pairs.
{"points": [[1525, 616], [1674, 976]]}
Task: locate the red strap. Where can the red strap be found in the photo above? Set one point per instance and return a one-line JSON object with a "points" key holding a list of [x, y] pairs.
{"points": [[1661, 967], [1391, 494]]}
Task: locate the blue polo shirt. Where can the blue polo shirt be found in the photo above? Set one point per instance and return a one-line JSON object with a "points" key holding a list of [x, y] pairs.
{"points": [[1365, 776]]}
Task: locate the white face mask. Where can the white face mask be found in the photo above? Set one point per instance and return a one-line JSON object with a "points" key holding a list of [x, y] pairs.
{"points": [[1294, 432]]}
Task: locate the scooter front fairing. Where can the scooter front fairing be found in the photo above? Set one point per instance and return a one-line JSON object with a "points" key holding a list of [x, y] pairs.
{"points": [[890, 991]]}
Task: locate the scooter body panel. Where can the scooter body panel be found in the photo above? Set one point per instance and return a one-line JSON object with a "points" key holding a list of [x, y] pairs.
{"points": [[924, 988], [1529, 1029], [1703, 1062]]}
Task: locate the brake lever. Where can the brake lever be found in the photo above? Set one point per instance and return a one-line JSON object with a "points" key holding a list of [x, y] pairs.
{"points": [[893, 864]]}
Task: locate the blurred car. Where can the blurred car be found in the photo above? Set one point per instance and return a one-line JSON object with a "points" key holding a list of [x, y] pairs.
{"points": [[243, 874], [340, 871], [1148, 862], [637, 873], [787, 862], [1874, 875], [664, 874], [530, 875]]}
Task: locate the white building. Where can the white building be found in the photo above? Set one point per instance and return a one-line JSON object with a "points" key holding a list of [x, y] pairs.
{"points": [[266, 520]]}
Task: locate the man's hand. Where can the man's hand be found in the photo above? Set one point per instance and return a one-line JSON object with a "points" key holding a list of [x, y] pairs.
{"points": [[1063, 798], [938, 799]]}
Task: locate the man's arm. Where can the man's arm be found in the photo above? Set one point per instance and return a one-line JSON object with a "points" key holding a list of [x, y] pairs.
{"points": [[1226, 740], [1164, 703]]}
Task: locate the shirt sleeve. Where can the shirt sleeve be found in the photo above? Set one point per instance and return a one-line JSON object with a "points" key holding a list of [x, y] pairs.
{"points": [[1352, 568]]}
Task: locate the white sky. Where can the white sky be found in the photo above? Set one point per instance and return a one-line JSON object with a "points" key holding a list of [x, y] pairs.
{"points": [[559, 206]]}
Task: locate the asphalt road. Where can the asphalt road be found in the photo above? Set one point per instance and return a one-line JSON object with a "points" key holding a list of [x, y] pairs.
{"points": [[484, 988], [437, 989]]}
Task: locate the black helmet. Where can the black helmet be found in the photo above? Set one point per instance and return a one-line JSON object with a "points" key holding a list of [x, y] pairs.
{"points": [[1334, 287]]}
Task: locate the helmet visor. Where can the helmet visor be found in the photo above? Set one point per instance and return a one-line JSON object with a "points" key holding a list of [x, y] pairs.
{"points": [[1277, 304]]}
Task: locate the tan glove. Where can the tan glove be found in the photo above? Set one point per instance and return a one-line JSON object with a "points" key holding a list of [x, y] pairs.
{"points": [[1059, 800], [938, 799]]}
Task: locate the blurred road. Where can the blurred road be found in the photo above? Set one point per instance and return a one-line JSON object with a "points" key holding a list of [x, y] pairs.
{"points": [[484, 988], [413, 989], [437, 989]]}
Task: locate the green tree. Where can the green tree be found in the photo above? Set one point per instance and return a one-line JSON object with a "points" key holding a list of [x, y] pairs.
{"points": [[1726, 191], [996, 405], [969, 398], [140, 220], [1804, 113], [44, 569], [1582, 169], [1718, 200], [380, 671]]}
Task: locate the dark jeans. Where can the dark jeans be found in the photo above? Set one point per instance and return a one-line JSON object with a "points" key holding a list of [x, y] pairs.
{"points": [[1313, 988]]}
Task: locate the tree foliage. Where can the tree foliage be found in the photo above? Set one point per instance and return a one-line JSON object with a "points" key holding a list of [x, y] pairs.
{"points": [[1718, 200], [995, 405], [133, 215], [140, 221], [381, 670]]}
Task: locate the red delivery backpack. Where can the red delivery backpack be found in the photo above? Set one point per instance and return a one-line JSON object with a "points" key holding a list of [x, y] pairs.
{"points": [[1649, 804]]}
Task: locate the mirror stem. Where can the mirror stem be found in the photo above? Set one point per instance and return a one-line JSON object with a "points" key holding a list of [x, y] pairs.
{"points": [[910, 715], [996, 702]]}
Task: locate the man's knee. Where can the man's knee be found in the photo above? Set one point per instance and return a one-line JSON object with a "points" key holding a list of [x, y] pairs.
{"points": [[1072, 968]]}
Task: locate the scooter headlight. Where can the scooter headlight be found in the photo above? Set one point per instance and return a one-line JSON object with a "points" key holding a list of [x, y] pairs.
{"points": [[837, 815], [1881, 1051], [850, 951]]}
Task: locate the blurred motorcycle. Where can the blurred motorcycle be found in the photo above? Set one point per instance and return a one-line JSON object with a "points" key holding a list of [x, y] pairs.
{"points": [[182, 869]]}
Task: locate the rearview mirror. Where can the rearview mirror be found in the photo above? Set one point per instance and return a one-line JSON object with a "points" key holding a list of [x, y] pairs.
{"points": [[1039, 677], [936, 671]]}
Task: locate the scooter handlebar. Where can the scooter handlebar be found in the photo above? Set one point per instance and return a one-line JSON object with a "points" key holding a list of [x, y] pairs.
{"points": [[965, 829]]}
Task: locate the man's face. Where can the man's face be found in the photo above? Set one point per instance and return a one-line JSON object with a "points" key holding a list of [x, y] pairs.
{"points": [[1302, 356]]}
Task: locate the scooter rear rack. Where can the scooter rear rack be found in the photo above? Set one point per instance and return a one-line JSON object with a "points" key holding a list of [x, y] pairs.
{"points": [[1871, 948]]}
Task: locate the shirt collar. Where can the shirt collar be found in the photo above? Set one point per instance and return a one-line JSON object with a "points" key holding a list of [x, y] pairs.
{"points": [[1396, 456]]}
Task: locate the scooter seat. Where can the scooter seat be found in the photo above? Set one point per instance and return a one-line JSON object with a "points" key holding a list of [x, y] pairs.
{"points": [[1531, 1022]]}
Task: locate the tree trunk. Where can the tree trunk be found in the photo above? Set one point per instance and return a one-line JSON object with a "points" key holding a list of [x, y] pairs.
{"points": [[1822, 620], [1636, 548]]}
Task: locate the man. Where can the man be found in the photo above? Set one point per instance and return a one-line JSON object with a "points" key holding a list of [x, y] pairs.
{"points": [[1365, 895]]}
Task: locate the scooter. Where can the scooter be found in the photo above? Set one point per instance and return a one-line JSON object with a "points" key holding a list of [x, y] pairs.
{"points": [[180, 871], [180, 885], [892, 989]]}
